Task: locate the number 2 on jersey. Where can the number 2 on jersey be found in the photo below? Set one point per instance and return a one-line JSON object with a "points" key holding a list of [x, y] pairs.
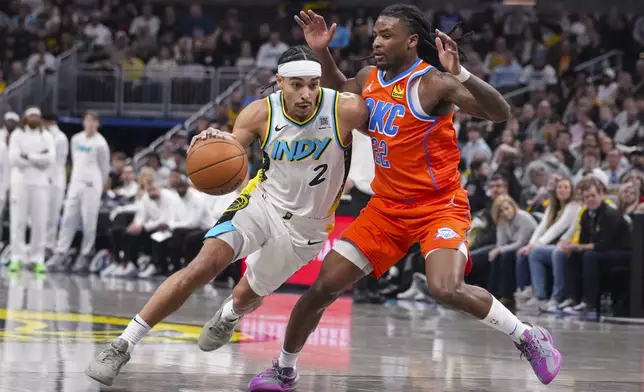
{"points": [[320, 170], [380, 150]]}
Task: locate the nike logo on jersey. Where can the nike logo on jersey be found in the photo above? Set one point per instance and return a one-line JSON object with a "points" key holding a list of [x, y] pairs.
{"points": [[277, 129], [298, 150], [315, 243]]}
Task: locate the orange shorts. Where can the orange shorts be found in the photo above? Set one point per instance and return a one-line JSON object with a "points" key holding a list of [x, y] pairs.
{"points": [[386, 229]]}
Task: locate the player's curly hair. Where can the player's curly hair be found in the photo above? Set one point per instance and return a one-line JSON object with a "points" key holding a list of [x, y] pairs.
{"points": [[418, 24], [294, 53]]}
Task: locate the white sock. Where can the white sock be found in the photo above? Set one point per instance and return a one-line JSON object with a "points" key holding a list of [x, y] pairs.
{"points": [[288, 360], [501, 319], [228, 313], [135, 331]]}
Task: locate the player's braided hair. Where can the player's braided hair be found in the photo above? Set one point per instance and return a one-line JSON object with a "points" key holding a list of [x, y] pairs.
{"points": [[294, 53], [414, 18]]}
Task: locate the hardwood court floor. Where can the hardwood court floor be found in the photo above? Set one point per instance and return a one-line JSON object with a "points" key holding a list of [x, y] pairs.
{"points": [[51, 328]]}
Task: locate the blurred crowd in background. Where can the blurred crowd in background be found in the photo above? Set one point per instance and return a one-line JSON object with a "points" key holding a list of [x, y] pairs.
{"points": [[575, 81]]}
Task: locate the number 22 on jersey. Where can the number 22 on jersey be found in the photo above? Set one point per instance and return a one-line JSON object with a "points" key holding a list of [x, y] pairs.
{"points": [[382, 121]]}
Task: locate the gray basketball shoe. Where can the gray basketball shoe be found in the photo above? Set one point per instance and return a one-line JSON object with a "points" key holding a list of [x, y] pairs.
{"points": [[218, 331], [109, 362]]}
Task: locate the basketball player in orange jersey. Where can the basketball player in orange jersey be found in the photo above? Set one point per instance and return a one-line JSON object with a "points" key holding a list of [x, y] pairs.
{"points": [[418, 196]]}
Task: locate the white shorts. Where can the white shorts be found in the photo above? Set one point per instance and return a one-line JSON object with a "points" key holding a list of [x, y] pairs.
{"points": [[276, 243]]}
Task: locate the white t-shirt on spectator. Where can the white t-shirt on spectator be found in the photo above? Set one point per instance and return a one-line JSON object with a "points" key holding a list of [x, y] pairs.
{"points": [[607, 92], [152, 24], [152, 213], [626, 132], [268, 55], [40, 63], [538, 77], [189, 212], [362, 167], [99, 33]]}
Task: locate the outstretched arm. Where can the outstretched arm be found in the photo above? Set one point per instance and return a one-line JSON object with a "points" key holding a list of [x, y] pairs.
{"points": [[318, 37], [473, 96]]}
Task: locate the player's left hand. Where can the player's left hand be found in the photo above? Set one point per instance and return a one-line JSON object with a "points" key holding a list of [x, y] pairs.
{"points": [[448, 53]]}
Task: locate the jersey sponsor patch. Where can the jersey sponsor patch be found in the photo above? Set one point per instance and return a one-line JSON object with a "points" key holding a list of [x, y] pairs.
{"points": [[324, 122], [446, 233], [398, 91]]}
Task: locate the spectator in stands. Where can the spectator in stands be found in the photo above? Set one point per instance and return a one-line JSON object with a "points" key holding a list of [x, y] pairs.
{"points": [[629, 198], [153, 160], [607, 90], [539, 72], [118, 51], [536, 128], [157, 210], [497, 57], [342, 37], [196, 22], [591, 162], [628, 123], [161, 67], [614, 169], [189, 212], [97, 32], [506, 76], [474, 144], [446, 18], [604, 242], [116, 170], [476, 184], [41, 61], [541, 251], [482, 236], [270, 52], [169, 29], [514, 227], [147, 21], [562, 143], [246, 59], [129, 186]]}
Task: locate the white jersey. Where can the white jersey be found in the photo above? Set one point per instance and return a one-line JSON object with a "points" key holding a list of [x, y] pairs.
{"points": [[90, 159], [305, 163]]}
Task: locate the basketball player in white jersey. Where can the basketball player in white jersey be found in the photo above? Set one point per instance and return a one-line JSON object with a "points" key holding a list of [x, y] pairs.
{"points": [[90, 169], [57, 178], [283, 216]]}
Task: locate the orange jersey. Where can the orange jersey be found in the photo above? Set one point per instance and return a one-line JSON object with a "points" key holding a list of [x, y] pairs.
{"points": [[414, 153]]}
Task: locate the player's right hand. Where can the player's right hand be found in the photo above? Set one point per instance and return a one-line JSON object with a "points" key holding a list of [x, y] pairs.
{"points": [[211, 133], [315, 30]]}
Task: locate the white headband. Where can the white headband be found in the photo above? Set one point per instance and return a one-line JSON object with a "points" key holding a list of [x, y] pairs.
{"points": [[12, 116], [300, 68], [32, 112]]}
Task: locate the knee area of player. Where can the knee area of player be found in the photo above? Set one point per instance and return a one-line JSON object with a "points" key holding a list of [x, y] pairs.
{"points": [[445, 289]]}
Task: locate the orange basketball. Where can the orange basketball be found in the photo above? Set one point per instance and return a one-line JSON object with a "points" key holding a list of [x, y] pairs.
{"points": [[217, 166]]}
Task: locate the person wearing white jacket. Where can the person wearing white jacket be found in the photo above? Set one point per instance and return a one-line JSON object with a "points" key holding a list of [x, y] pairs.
{"points": [[155, 212], [559, 216], [31, 153], [185, 220], [57, 178], [4, 177], [90, 170]]}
